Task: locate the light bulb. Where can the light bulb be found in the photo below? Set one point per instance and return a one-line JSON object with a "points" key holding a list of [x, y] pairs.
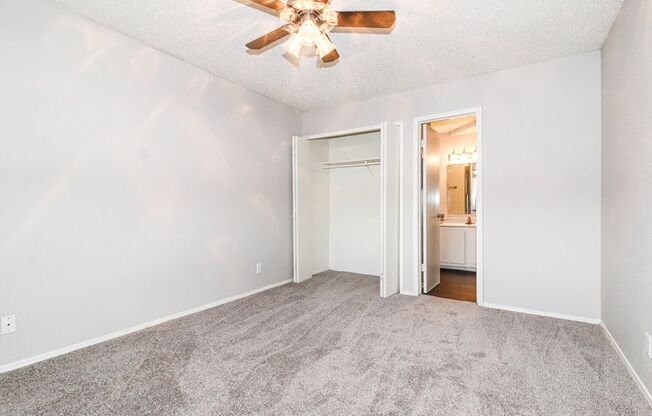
{"points": [[324, 45], [464, 157], [309, 32], [294, 46]]}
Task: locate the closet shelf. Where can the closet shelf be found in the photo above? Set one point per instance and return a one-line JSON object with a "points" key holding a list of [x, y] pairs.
{"points": [[350, 163]]}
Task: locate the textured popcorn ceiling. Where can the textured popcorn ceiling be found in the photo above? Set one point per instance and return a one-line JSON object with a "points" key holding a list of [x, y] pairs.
{"points": [[433, 41]]}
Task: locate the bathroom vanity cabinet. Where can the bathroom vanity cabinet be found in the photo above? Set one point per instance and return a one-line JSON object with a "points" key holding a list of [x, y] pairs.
{"points": [[457, 248]]}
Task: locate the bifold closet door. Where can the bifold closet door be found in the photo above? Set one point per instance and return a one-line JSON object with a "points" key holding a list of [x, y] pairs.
{"points": [[390, 149], [301, 209], [310, 211]]}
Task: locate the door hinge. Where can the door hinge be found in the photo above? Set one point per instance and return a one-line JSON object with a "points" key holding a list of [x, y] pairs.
{"points": [[423, 267]]}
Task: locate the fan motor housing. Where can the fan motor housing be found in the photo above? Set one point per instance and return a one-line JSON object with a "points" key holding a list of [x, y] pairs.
{"points": [[307, 4]]}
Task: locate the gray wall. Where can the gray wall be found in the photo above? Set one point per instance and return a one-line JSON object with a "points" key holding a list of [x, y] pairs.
{"points": [[133, 185], [541, 150], [627, 183]]}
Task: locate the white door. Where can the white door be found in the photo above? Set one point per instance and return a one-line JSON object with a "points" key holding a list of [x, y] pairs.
{"points": [[390, 147], [430, 208], [300, 216]]}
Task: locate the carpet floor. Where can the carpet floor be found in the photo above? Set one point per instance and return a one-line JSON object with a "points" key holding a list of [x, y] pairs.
{"points": [[331, 346]]}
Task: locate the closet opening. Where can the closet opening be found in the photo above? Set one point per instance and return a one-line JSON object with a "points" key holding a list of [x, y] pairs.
{"points": [[346, 192], [449, 201]]}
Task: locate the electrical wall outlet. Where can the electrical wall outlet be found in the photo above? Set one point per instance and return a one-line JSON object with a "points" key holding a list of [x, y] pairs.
{"points": [[649, 345], [7, 324], [259, 268]]}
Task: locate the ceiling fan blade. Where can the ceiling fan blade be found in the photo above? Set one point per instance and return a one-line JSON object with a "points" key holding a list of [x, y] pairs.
{"points": [[276, 5], [332, 56], [269, 38], [381, 19]]}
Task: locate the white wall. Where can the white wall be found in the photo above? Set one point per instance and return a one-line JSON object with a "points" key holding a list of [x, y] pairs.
{"points": [[541, 143], [133, 185], [626, 183], [355, 206]]}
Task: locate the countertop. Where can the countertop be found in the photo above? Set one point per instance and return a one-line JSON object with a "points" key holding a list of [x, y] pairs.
{"points": [[456, 224]]}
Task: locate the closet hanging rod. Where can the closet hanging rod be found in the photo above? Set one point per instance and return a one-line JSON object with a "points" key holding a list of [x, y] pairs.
{"points": [[351, 166], [351, 163]]}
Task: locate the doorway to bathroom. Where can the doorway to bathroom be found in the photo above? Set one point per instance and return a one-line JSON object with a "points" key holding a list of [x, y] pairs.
{"points": [[449, 193]]}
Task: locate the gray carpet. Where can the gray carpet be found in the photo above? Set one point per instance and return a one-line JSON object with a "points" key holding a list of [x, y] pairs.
{"points": [[331, 346]]}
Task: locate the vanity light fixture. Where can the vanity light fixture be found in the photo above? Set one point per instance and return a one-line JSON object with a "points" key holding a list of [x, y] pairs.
{"points": [[464, 157]]}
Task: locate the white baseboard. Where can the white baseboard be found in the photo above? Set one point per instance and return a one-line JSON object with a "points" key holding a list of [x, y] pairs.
{"points": [[631, 370], [594, 321], [64, 350]]}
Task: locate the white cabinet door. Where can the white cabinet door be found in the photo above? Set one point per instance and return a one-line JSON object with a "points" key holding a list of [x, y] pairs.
{"points": [[470, 247], [453, 246]]}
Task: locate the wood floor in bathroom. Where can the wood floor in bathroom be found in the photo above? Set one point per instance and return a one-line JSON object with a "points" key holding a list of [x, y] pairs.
{"points": [[457, 285]]}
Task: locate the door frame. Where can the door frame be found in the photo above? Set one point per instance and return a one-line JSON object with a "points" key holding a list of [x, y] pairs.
{"points": [[417, 201], [343, 133]]}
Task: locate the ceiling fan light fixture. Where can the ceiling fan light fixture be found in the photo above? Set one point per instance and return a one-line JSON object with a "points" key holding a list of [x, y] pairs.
{"points": [[294, 46], [288, 15], [329, 17], [324, 45], [309, 32], [308, 22]]}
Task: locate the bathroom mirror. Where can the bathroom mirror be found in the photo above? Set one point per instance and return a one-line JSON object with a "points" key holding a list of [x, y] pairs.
{"points": [[462, 188]]}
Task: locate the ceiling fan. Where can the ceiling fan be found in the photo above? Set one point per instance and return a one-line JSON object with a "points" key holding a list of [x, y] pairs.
{"points": [[308, 22]]}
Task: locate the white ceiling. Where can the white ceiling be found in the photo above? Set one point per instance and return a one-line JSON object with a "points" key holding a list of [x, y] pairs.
{"points": [[433, 41], [456, 126]]}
